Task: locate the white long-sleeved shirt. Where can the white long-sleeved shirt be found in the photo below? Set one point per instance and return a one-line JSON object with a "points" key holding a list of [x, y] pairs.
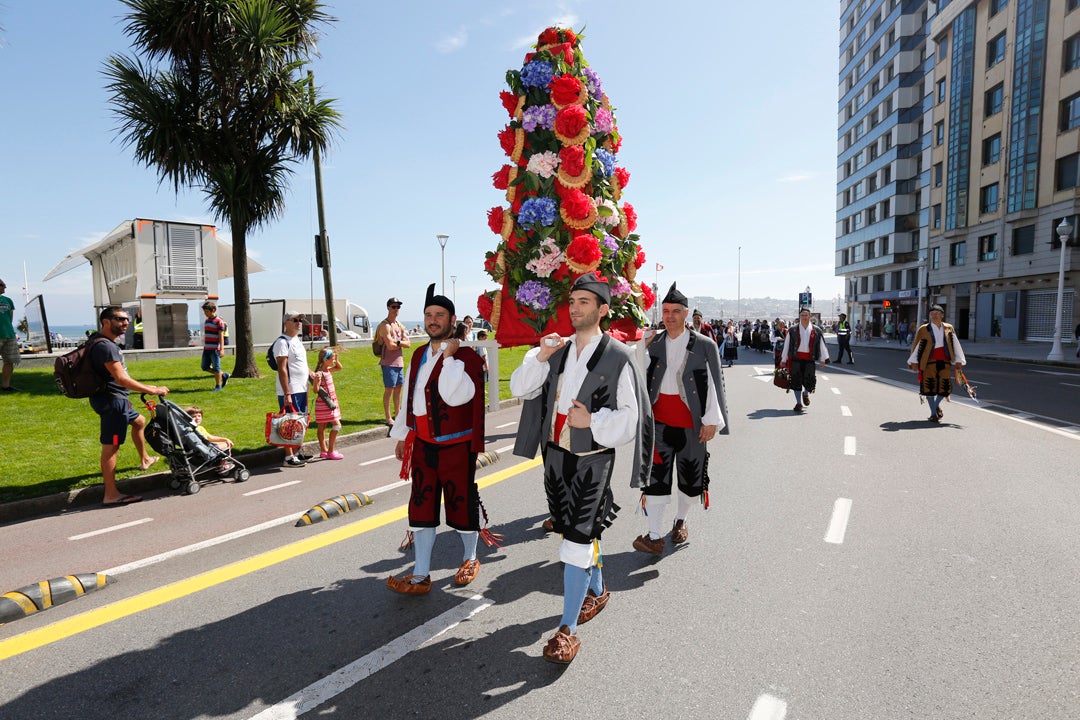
{"points": [[610, 427], [938, 333], [455, 388], [669, 384]]}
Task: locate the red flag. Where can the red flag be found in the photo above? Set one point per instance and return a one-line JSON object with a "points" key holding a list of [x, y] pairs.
{"points": [[659, 267]]}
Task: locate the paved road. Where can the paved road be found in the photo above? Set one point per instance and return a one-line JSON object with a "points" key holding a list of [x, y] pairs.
{"points": [[857, 562]]}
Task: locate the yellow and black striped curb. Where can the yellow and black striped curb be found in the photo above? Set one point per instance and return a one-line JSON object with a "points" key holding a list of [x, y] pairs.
{"points": [[333, 507], [486, 458], [43, 595]]}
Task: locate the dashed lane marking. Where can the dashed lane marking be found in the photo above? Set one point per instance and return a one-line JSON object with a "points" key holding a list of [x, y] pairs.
{"points": [[272, 487], [768, 707], [838, 523], [506, 425], [114, 528], [377, 460], [836, 390], [849, 445], [845, 411], [341, 680]]}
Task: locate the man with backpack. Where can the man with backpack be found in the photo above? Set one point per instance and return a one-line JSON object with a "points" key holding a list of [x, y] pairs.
{"points": [[390, 340], [112, 404]]}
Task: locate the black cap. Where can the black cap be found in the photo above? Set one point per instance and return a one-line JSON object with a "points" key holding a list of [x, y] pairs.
{"points": [[674, 296], [594, 284], [938, 308], [393, 301], [438, 300], [843, 314]]}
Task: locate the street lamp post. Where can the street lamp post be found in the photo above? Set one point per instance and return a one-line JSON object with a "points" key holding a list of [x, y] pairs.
{"points": [[1064, 230], [442, 244], [453, 288]]}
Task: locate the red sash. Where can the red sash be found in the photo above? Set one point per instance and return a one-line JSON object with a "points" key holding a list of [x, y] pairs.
{"points": [[672, 411], [939, 355], [560, 420]]}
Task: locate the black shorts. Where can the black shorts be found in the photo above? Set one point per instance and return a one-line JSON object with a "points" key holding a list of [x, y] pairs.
{"points": [[116, 415]]}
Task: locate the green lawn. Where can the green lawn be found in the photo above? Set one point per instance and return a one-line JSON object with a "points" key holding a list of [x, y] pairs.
{"points": [[49, 443]]}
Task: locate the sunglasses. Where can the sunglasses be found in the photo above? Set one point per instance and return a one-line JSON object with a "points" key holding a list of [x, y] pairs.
{"points": [[396, 307], [120, 319]]}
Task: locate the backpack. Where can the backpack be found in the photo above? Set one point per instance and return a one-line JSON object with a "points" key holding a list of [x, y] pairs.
{"points": [[74, 373], [270, 359], [376, 345]]}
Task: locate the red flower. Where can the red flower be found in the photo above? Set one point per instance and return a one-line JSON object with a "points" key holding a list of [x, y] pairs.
{"points": [[509, 101], [484, 306], [631, 217], [501, 179], [489, 263], [584, 250], [564, 89], [616, 140], [623, 175], [624, 329], [569, 121], [640, 259], [495, 220], [577, 204], [562, 273], [507, 140], [549, 37], [647, 295], [572, 160], [513, 245]]}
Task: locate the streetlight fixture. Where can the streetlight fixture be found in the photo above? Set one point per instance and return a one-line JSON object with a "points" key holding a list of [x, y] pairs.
{"points": [[442, 244], [1064, 230], [453, 287]]}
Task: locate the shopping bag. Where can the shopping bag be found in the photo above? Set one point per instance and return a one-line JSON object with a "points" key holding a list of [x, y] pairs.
{"points": [[286, 429]]}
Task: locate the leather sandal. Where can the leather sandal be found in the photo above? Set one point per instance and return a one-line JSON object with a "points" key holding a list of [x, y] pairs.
{"points": [[679, 532], [548, 525], [467, 572], [563, 647], [592, 606], [405, 586], [646, 544]]}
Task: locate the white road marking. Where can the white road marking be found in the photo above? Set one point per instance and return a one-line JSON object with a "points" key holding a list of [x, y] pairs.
{"points": [[845, 411], [341, 680], [849, 445], [1054, 372], [838, 524], [836, 390], [272, 487], [391, 486], [506, 425], [114, 528], [377, 460], [1022, 416], [504, 449], [1070, 385], [767, 707], [824, 377]]}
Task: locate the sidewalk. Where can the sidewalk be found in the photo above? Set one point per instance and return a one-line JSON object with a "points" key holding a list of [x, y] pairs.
{"points": [[1008, 350]]}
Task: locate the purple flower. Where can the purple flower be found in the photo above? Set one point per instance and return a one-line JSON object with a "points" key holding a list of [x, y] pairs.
{"points": [[610, 243], [542, 116], [592, 81], [622, 287], [607, 161], [534, 294], [603, 122]]}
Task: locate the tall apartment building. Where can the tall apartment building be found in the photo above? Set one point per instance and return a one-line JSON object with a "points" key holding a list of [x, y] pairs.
{"points": [[1005, 166], [883, 158]]}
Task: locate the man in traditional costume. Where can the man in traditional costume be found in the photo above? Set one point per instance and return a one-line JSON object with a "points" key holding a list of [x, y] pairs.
{"points": [[686, 391], [440, 431], [934, 353], [584, 396], [804, 346]]}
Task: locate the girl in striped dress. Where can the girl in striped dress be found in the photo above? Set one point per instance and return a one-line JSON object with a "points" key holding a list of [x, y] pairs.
{"points": [[327, 410]]}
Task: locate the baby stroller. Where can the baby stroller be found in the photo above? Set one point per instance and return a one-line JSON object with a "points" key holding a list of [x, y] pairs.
{"points": [[172, 433]]}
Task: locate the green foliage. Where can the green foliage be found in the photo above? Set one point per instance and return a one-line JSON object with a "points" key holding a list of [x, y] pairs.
{"points": [[50, 444]]}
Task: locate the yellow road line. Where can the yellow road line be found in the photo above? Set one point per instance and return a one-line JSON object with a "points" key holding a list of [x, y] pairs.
{"points": [[174, 591]]}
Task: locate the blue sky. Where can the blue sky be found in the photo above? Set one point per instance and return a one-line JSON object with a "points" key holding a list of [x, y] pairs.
{"points": [[727, 109]]}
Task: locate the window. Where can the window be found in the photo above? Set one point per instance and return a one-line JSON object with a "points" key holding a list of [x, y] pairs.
{"points": [[939, 133], [896, 278], [991, 149], [939, 173], [1066, 175], [988, 199], [864, 284], [937, 216], [879, 282], [995, 97], [1072, 52], [885, 245], [886, 209], [871, 250], [857, 252], [941, 91], [871, 183], [995, 50], [957, 251], [997, 6], [1023, 240], [887, 176], [871, 215], [846, 255], [1070, 112], [913, 278], [987, 248], [935, 258], [856, 221], [1073, 4]]}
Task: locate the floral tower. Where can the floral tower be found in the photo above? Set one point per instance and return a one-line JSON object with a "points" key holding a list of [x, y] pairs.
{"points": [[564, 189]]}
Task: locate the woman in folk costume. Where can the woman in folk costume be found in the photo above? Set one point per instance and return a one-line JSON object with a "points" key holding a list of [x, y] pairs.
{"points": [[934, 353]]}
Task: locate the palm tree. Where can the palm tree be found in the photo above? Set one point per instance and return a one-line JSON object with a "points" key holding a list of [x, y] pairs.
{"points": [[218, 100]]}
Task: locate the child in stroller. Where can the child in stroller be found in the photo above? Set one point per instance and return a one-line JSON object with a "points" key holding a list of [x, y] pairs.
{"points": [[175, 434]]}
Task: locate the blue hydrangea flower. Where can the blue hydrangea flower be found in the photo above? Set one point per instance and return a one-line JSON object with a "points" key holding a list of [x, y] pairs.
{"points": [[607, 161], [534, 294], [537, 73], [542, 116], [537, 212]]}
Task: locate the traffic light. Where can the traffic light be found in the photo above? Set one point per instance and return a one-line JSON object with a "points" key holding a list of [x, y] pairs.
{"points": [[886, 304]]}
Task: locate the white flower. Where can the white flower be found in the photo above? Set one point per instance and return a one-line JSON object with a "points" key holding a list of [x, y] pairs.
{"points": [[543, 164], [610, 219]]}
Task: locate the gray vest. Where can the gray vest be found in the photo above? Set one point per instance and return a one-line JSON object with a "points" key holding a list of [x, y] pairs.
{"points": [[598, 390], [702, 356]]}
